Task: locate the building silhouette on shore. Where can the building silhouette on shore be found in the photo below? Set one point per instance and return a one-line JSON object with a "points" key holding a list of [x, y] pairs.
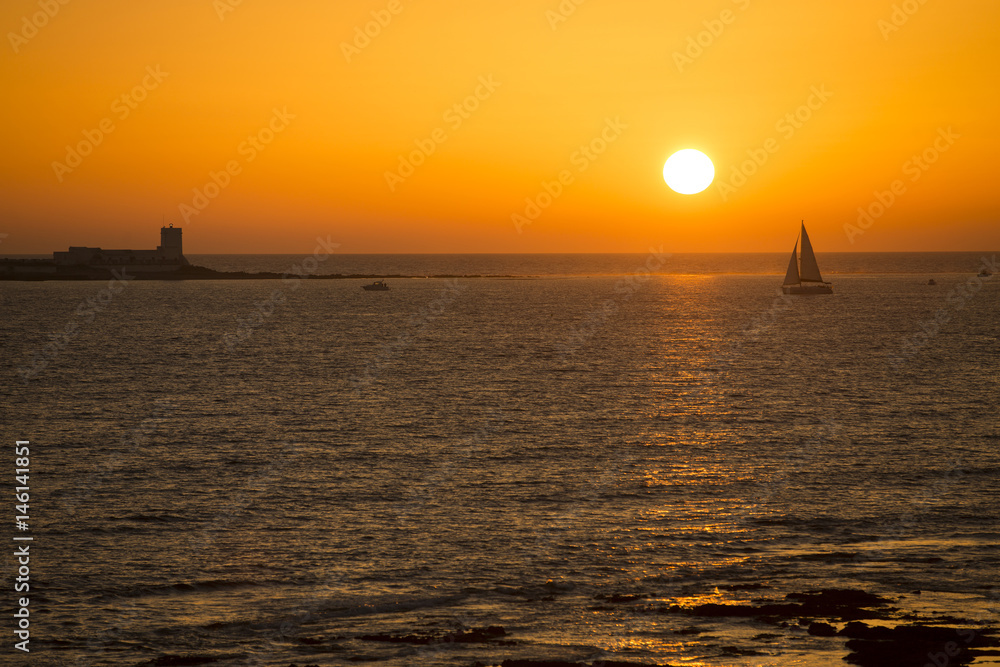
{"points": [[170, 252], [84, 261]]}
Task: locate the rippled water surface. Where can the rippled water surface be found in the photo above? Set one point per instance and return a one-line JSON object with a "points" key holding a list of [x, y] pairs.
{"points": [[565, 457]]}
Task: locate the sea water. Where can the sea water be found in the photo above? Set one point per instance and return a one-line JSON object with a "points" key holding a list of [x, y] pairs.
{"points": [[277, 472]]}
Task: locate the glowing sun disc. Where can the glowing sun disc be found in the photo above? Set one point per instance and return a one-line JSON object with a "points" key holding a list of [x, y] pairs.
{"points": [[688, 171]]}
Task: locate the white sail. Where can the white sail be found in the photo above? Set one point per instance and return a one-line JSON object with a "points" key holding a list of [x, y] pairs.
{"points": [[792, 276], [810, 269]]}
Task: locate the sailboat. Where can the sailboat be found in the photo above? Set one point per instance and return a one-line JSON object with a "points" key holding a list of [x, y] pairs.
{"points": [[803, 275]]}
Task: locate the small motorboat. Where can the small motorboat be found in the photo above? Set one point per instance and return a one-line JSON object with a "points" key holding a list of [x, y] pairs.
{"points": [[985, 273], [932, 282], [377, 286]]}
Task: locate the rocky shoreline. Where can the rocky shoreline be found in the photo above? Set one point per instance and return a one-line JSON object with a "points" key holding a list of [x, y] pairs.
{"points": [[900, 640]]}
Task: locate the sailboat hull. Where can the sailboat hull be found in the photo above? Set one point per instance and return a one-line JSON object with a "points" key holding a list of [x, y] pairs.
{"points": [[823, 288]]}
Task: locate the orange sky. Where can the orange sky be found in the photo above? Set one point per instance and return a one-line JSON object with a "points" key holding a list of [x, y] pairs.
{"points": [[331, 121]]}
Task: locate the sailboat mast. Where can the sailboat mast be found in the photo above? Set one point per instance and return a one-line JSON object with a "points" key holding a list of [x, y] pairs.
{"points": [[798, 254]]}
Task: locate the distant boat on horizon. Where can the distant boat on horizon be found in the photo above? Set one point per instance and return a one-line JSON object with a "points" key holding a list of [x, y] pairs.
{"points": [[803, 276], [377, 286]]}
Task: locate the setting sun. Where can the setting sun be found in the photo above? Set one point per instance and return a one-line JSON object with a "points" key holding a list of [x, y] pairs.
{"points": [[688, 172]]}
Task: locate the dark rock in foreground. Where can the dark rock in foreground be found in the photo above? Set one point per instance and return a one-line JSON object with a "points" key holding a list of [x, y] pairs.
{"points": [[822, 630], [827, 603], [180, 661], [915, 645], [837, 598]]}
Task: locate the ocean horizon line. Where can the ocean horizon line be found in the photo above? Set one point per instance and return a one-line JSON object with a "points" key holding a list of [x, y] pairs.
{"points": [[29, 255]]}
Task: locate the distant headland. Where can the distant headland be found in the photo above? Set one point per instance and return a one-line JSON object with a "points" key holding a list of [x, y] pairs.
{"points": [[86, 263], [166, 262]]}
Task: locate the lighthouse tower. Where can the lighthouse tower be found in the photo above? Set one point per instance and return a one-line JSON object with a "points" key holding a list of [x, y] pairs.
{"points": [[171, 247]]}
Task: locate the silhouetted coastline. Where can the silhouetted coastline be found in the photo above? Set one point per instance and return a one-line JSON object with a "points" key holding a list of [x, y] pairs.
{"points": [[204, 273]]}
